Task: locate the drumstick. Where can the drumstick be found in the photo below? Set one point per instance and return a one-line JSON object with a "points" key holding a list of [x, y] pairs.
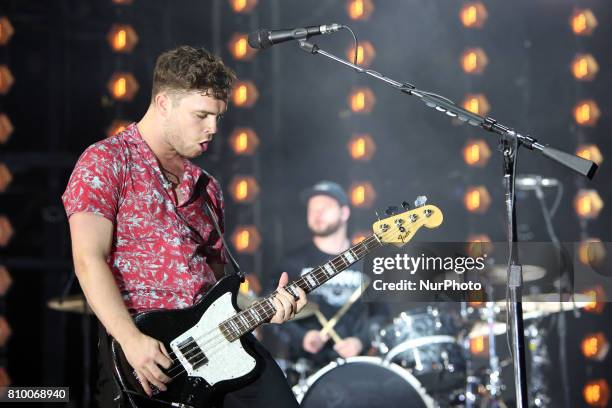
{"points": [[332, 333], [332, 322]]}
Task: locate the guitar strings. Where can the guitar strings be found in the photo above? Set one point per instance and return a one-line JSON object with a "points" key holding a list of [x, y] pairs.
{"points": [[267, 303], [219, 340]]}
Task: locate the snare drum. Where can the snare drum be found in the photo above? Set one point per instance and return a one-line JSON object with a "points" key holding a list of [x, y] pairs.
{"points": [[362, 382], [424, 342]]}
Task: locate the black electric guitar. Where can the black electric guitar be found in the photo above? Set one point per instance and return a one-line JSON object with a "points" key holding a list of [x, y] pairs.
{"points": [[208, 353]]}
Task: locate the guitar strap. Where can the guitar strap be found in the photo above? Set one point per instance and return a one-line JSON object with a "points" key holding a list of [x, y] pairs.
{"points": [[213, 217], [232, 260], [199, 188]]}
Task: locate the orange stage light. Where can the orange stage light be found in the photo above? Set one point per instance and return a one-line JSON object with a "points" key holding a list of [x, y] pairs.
{"points": [[473, 15], [479, 346], [586, 113], [122, 86], [5, 177], [361, 147], [596, 393], [362, 194], [365, 54], [359, 9], [244, 141], [6, 231], [588, 204], [6, 30], [477, 199], [5, 280], [474, 61], [597, 297], [584, 67], [362, 100], [5, 331], [590, 152], [591, 252], [243, 6], [244, 189], [122, 38], [477, 103], [6, 128], [583, 22], [359, 236], [244, 94], [117, 126], [595, 346], [476, 153], [6, 79], [246, 239], [239, 47]]}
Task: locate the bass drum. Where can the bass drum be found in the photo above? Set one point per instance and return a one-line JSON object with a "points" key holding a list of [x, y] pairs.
{"points": [[362, 382]]}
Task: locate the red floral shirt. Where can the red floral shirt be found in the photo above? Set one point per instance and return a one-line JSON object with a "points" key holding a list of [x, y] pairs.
{"points": [[161, 249]]}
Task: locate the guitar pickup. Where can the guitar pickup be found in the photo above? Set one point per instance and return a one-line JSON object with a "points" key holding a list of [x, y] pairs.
{"points": [[192, 353]]}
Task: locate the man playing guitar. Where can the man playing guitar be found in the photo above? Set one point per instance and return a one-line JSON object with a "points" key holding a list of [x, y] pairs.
{"points": [[141, 238]]}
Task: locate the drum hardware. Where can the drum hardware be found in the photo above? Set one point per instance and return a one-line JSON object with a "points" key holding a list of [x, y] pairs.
{"points": [[424, 342], [497, 274], [539, 363], [70, 304], [536, 306], [362, 382], [494, 385]]}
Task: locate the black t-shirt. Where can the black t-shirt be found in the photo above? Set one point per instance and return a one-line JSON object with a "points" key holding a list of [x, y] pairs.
{"points": [[361, 320]]}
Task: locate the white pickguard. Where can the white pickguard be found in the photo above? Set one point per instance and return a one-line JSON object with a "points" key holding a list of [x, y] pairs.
{"points": [[226, 360]]}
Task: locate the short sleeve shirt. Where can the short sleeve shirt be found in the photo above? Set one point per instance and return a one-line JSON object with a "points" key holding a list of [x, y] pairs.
{"points": [[161, 248]]}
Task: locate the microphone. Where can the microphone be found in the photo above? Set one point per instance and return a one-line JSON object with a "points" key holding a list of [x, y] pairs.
{"points": [[264, 38], [533, 181]]}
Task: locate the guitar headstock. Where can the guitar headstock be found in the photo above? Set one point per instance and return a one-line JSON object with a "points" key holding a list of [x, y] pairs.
{"points": [[398, 229]]}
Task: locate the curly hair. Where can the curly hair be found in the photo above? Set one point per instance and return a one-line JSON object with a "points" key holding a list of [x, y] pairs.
{"points": [[186, 68]]}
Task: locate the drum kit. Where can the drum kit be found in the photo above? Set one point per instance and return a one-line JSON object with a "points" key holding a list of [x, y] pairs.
{"points": [[422, 357]]}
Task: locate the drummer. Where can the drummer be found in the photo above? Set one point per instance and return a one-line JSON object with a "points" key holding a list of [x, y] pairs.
{"points": [[327, 214]]}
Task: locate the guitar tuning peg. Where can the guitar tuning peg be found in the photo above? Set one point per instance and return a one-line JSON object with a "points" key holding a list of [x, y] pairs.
{"points": [[405, 205], [391, 210], [420, 201]]}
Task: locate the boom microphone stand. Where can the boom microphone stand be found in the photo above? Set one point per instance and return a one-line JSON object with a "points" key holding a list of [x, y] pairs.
{"points": [[507, 135]]}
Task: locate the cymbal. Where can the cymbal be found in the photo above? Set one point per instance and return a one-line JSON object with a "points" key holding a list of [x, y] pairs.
{"points": [[535, 306], [482, 329], [245, 300], [497, 274], [307, 311], [70, 304]]}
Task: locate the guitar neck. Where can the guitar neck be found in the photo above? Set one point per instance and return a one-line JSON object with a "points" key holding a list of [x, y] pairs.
{"points": [[263, 310]]}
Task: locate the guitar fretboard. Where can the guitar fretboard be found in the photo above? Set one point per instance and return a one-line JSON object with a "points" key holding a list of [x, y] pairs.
{"points": [[263, 310]]}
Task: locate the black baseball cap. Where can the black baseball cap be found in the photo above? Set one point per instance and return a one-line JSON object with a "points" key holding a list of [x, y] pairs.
{"points": [[328, 188]]}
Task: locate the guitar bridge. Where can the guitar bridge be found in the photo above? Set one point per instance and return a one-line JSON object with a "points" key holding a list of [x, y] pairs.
{"points": [[154, 389]]}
